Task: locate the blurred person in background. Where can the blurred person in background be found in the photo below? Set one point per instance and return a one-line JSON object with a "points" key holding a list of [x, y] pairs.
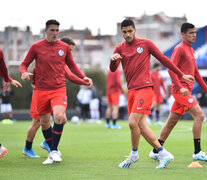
{"points": [[113, 91], [158, 83], [84, 97], [6, 107]]}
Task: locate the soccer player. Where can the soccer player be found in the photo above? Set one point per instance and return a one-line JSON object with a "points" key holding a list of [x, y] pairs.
{"points": [[157, 81], [7, 81], [183, 58], [51, 56], [113, 91], [31, 132], [134, 55]]}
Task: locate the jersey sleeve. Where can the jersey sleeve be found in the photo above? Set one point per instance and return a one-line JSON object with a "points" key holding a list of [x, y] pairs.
{"points": [[200, 80], [114, 64], [4, 71], [176, 57], [71, 77], [31, 55], [163, 59], [72, 65]]}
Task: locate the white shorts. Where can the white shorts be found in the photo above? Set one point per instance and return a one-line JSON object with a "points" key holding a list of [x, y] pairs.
{"points": [[5, 108]]}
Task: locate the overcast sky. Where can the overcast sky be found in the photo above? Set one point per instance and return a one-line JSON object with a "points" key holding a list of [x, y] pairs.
{"points": [[94, 14]]}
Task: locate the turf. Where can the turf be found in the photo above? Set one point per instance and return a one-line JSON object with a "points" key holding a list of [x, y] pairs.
{"points": [[90, 151]]}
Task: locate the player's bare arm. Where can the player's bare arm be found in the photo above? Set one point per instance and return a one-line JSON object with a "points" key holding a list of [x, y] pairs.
{"points": [[189, 78], [26, 76], [115, 57], [89, 81]]}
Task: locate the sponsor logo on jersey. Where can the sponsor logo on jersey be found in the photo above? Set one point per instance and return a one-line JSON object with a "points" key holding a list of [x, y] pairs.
{"points": [[140, 49], [190, 100], [61, 52], [147, 82]]}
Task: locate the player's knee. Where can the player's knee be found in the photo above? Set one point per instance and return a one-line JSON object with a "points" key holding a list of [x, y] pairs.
{"points": [[132, 125], [200, 117], [59, 118]]}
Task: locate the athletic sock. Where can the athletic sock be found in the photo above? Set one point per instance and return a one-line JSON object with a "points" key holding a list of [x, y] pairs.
{"points": [[114, 121], [48, 136], [197, 146], [134, 152], [107, 120], [56, 134], [161, 143], [28, 145], [162, 152], [157, 115]]}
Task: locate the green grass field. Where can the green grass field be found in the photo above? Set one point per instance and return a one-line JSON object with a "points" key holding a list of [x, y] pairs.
{"points": [[90, 151]]}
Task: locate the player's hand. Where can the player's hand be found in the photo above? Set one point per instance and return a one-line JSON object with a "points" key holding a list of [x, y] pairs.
{"points": [[26, 76], [16, 83], [184, 91], [115, 57], [89, 81], [189, 78]]}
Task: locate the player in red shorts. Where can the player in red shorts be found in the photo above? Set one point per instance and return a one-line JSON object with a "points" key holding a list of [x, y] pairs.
{"points": [[113, 90], [31, 132], [183, 58], [157, 81], [51, 56], [7, 81], [134, 55]]}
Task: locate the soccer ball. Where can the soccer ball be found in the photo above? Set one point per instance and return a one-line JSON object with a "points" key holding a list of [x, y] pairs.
{"points": [[75, 119]]}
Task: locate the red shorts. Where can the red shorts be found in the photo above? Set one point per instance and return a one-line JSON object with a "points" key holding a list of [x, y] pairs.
{"points": [[113, 99], [140, 101], [182, 103], [157, 98], [33, 107], [47, 99]]}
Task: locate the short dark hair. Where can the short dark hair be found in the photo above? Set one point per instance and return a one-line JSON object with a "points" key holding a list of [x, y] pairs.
{"points": [[51, 22], [68, 40], [156, 65], [186, 26], [127, 22]]}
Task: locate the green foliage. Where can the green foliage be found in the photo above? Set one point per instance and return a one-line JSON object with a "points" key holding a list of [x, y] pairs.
{"points": [[72, 91], [21, 98], [98, 77]]}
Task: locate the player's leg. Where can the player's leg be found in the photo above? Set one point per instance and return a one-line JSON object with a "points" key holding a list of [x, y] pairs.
{"points": [[149, 135], [198, 116], [31, 132], [3, 150], [108, 115], [157, 114], [135, 135], [115, 113]]}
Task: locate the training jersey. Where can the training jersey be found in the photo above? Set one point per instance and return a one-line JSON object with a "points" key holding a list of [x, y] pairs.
{"points": [[183, 58], [50, 60], [113, 82], [3, 68], [157, 83], [136, 62]]}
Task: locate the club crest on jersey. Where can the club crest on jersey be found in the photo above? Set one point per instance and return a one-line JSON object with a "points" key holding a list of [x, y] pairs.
{"points": [[61, 52], [190, 100], [140, 49]]}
